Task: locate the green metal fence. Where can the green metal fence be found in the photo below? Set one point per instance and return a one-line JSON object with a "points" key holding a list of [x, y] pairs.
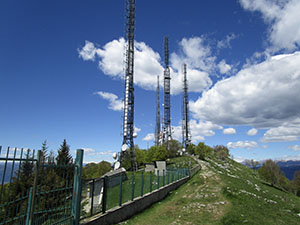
{"points": [[100, 195], [36, 192]]}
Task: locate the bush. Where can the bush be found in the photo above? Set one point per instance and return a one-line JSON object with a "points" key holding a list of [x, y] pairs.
{"points": [[93, 170], [191, 149], [270, 172], [203, 151], [156, 153], [173, 147], [222, 152]]}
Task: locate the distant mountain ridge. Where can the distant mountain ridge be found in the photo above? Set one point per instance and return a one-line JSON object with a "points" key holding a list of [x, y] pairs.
{"points": [[288, 167]]}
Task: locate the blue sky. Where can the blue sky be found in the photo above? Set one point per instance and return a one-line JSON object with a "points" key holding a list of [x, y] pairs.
{"points": [[61, 73]]}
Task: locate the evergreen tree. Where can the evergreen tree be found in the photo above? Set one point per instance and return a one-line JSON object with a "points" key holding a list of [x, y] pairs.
{"points": [[64, 157], [44, 152]]}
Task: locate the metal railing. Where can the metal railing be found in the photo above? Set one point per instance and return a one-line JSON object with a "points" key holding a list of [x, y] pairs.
{"points": [[35, 192], [102, 194]]}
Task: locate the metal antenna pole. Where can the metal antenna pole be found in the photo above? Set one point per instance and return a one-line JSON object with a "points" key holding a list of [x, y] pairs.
{"points": [[157, 125], [167, 133], [128, 125], [185, 121]]}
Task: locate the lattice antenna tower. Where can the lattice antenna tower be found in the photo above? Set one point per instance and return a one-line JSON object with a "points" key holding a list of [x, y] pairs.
{"points": [[157, 124], [167, 132], [128, 120], [185, 120]]}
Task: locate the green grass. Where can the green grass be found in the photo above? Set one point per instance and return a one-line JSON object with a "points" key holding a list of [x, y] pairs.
{"points": [[150, 183], [253, 201], [224, 193], [181, 162]]}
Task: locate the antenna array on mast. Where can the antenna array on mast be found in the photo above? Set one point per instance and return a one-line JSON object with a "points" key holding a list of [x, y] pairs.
{"points": [[167, 132], [128, 122], [185, 121]]}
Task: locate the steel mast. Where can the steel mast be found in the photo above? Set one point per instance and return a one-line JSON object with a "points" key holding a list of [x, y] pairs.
{"points": [[128, 124], [185, 121], [157, 125], [167, 132]]}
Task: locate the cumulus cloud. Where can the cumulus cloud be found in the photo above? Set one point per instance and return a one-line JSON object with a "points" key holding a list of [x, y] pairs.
{"points": [[286, 132], [242, 144], [252, 132], [295, 147], [283, 18], [192, 51], [229, 131], [224, 67], [149, 137], [115, 103], [264, 95], [88, 51], [199, 130]]}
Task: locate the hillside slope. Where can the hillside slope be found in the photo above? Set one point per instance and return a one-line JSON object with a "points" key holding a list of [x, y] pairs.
{"points": [[224, 193]]}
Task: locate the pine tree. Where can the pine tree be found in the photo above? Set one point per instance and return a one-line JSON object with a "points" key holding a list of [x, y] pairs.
{"points": [[44, 152], [64, 157]]}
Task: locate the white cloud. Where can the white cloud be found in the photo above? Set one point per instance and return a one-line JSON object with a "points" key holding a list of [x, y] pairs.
{"points": [[136, 129], [289, 157], [239, 159], [263, 95], [229, 131], [147, 66], [199, 130], [252, 132], [88, 51], [224, 67], [295, 147], [283, 18], [93, 152], [286, 132], [149, 137], [88, 151], [226, 42], [115, 103], [242, 144]]}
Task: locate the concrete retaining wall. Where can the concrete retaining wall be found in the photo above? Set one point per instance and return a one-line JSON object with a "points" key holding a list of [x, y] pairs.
{"points": [[131, 208]]}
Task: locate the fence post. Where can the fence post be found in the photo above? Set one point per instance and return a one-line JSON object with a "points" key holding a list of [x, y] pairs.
{"points": [[36, 175], [132, 186], [104, 198], [168, 176], [142, 183], [77, 188], [150, 181], [163, 178], [92, 194], [120, 194], [27, 222], [157, 179]]}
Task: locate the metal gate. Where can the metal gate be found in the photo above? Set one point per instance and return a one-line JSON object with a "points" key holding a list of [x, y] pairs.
{"points": [[35, 192]]}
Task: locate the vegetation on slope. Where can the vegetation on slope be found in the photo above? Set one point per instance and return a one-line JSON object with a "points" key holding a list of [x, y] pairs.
{"points": [[224, 192]]}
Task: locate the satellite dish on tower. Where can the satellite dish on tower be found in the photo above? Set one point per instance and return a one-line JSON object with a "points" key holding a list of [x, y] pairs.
{"points": [[124, 147], [134, 135], [114, 155], [117, 165], [183, 149]]}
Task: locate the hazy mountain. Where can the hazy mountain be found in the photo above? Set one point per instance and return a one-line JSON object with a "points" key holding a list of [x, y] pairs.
{"points": [[289, 167], [8, 170]]}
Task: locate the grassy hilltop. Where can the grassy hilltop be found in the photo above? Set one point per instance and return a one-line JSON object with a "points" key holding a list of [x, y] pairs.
{"points": [[224, 192]]}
